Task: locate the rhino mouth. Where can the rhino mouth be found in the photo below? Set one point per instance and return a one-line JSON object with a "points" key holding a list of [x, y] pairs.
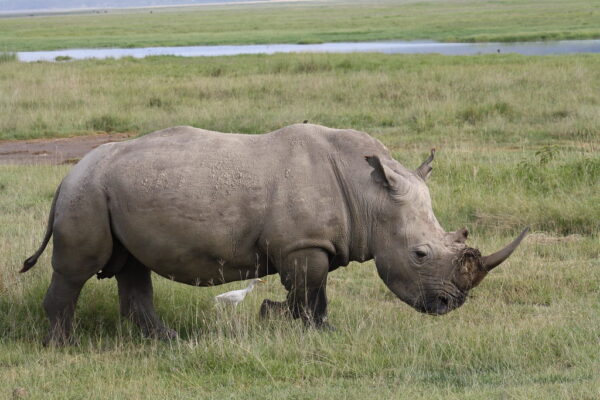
{"points": [[440, 303]]}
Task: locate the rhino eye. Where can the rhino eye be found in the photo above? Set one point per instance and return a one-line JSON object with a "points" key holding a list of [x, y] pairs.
{"points": [[420, 254]]}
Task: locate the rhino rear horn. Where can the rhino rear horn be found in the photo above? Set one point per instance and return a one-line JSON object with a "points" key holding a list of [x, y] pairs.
{"points": [[493, 260], [424, 169]]}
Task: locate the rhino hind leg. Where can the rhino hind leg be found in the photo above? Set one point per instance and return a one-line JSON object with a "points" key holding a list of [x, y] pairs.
{"points": [[59, 305], [135, 295], [80, 251]]}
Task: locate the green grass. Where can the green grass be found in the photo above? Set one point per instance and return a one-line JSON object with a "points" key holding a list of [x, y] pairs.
{"points": [[517, 141], [309, 22], [505, 99], [529, 331], [536, 116]]}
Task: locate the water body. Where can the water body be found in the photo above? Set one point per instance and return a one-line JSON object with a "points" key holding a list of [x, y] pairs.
{"points": [[388, 47]]}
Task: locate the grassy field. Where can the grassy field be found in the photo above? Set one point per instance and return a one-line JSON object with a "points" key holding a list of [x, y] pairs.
{"points": [[504, 99], [518, 145], [309, 22]]}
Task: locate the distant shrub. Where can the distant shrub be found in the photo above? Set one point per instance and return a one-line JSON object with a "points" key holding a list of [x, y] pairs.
{"points": [[586, 170], [345, 65], [502, 108], [108, 123], [312, 66], [309, 41], [478, 113], [560, 114], [547, 171], [216, 71], [531, 168], [155, 102], [471, 114], [547, 154], [6, 57], [278, 67], [62, 58], [39, 125]]}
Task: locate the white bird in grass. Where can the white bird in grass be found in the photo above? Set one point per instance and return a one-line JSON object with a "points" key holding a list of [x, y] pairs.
{"points": [[236, 296]]}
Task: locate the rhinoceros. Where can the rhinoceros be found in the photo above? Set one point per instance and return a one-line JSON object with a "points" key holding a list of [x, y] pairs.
{"points": [[205, 208]]}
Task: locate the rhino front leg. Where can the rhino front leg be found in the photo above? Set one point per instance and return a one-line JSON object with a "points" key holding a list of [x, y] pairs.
{"points": [[304, 275], [136, 303]]}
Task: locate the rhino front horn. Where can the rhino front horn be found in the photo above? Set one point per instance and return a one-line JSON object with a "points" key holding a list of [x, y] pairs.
{"points": [[493, 260]]}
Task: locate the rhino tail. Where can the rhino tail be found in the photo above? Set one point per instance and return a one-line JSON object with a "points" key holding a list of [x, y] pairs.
{"points": [[30, 262]]}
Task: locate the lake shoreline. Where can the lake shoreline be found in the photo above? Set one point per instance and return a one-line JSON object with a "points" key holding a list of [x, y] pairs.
{"points": [[388, 47]]}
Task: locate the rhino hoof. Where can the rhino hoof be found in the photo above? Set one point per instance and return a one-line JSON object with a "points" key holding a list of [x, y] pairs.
{"points": [[326, 327], [59, 341], [164, 334], [169, 334], [322, 326], [270, 307]]}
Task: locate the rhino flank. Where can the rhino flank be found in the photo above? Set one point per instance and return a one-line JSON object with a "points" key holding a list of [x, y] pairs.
{"points": [[206, 208]]}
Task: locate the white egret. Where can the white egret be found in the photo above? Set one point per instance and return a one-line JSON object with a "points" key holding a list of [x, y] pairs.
{"points": [[236, 296]]}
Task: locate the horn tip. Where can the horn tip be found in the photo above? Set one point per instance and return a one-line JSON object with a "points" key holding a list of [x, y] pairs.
{"points": [[493, 260]]}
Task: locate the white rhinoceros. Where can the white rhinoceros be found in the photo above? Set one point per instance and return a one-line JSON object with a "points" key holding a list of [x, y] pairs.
{"points": [[205, 208]]}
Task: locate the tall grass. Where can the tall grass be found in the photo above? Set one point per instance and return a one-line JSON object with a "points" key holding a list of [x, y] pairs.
{"points": [[528, 125], [6, 57], [309, 22], [529, 331], [517, 141], [501, 99]]}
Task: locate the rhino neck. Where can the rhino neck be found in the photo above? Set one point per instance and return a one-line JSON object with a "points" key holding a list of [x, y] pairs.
{"points": [[358, 225]]}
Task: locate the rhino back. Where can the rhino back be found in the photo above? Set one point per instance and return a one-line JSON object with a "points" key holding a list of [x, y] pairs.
{"points": [[198, 205]]}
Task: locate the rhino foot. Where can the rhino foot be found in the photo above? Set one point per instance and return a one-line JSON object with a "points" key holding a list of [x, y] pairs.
{"points": [[270, 308], [325, 327], [164, 334], [59, 340], [322, 326]]}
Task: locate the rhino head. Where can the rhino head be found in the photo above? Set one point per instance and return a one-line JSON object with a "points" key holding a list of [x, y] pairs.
{"points": [[426, 267]]}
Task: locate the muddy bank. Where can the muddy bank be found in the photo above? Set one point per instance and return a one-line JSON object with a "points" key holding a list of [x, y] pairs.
{"points": [[54, 151]]}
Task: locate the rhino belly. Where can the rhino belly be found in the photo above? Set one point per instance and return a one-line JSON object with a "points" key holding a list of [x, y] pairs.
{"points": [[193, 252], [199, 233]]}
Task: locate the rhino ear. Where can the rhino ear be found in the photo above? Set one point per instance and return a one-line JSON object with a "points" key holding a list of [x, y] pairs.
{"points": [[384, 175], [424, 171]]}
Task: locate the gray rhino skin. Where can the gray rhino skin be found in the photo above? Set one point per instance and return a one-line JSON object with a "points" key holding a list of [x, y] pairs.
{"points": [[206, 208]]}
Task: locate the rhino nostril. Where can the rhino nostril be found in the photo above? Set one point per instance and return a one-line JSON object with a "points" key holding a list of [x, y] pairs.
{"points": [[443, 300]]}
